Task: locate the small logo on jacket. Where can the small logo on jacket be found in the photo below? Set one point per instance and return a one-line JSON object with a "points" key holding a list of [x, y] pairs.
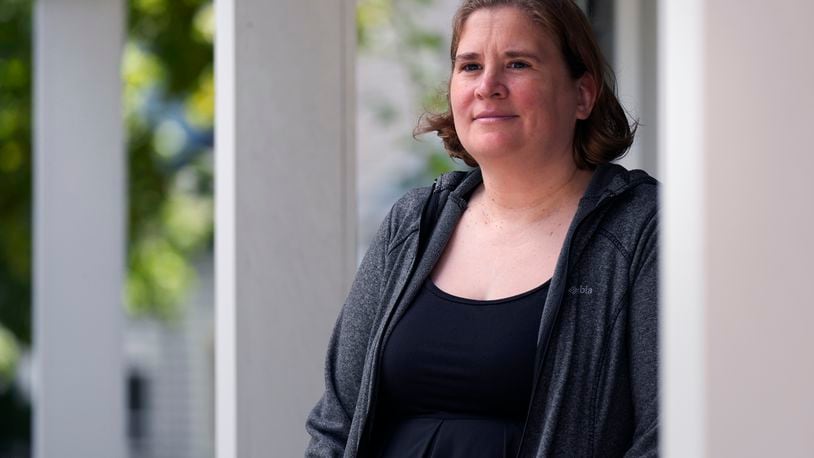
{"points": [[580, 290]]}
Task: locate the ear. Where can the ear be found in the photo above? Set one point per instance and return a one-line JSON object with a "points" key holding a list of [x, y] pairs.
{"points": [[586, 95]]}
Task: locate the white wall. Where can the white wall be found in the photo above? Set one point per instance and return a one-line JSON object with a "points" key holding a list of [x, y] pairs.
{"points": [[759, 215], [737, 341], [636, 67]]}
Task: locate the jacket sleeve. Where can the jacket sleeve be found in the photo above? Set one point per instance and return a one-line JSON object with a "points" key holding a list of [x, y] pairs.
{"points": [[330, 420], [643, 343]]}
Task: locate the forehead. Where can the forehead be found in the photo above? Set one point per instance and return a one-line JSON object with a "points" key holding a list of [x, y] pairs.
{"points": [[501, 27]]}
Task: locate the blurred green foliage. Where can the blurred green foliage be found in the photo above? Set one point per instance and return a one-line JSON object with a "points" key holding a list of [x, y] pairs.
{"points": [[15, 217], [15, 183], [169, 111], [398, 31]]}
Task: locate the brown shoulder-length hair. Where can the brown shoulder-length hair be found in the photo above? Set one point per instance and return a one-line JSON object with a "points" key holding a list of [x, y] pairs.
{"points": [[605, 135]]}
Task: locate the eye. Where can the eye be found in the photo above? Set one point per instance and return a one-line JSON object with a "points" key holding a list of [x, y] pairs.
{"points": [[517, 64], [470, 67]]}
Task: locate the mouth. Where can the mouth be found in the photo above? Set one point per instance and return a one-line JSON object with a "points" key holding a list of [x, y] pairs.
{"points": [[494, 117]]}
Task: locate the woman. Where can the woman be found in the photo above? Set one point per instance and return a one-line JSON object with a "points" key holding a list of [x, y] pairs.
{"points": [[511, 310]]}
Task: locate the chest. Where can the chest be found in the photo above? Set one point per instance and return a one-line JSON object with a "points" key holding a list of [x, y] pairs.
{"points": [[486, 263]]}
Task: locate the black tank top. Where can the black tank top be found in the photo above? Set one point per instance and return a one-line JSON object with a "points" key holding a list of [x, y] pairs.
{"points": [[456, 376]]}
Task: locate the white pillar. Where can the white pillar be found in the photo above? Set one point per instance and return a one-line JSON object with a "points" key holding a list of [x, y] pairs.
{"points": [[285, 217], [737, 340], [683, 263], [79, 229]]}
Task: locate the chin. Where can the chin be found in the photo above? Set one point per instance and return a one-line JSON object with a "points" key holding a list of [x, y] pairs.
{"points": [[493, 148]]}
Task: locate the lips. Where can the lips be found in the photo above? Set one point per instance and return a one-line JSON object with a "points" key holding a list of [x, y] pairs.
{"points": [[490, 115]]}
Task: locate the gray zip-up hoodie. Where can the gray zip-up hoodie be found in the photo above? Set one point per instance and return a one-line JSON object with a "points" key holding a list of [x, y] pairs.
{"points": [[595, 387]]}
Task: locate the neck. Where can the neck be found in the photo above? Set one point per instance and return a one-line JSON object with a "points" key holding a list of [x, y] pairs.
{"points": [[526, 193]]}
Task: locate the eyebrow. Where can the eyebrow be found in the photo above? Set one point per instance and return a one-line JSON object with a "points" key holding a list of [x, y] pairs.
{"points": [[512, 54], [467, 56], [524, 54]]}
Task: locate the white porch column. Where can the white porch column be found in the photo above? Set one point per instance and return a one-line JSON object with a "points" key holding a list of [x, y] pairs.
{"points": [[285, 218], [737, 159], [79, 229]]}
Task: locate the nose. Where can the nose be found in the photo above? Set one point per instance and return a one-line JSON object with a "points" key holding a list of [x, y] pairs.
{"points": [[491, 85]]}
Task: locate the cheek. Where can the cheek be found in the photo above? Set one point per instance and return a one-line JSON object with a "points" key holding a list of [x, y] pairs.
{"points": [[457, 102], [531, 95], [540, 106]]}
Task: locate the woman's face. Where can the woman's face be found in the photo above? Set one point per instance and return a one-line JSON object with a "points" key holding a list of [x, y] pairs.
{"points": [[510, 90]]}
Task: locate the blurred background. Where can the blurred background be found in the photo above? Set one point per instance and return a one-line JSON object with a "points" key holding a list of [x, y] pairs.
{"points": [[168, 95], [720, 90], [168, 111]]}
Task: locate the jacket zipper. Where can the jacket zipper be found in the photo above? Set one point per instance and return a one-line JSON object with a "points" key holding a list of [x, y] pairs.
{"points": [[540, 360], [367, 429]]}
